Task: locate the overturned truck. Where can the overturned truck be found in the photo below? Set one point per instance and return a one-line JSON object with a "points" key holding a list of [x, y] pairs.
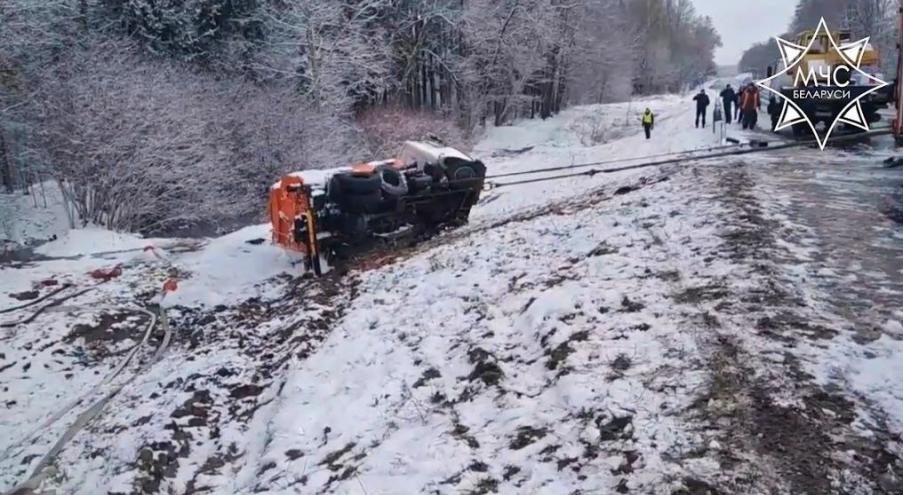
{"points": [[329, 214]]}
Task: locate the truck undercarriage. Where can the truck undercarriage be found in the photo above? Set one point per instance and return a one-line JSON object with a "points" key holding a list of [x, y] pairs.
{"points": [[391, 202]]}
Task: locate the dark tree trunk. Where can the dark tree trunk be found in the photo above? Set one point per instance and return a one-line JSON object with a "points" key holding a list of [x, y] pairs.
{"points": [[6, 166], [500, 108], [424, 90]]}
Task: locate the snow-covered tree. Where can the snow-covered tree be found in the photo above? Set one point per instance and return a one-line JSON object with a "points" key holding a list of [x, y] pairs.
{"points": [[159, 115], [336, 52], [878, 20]]}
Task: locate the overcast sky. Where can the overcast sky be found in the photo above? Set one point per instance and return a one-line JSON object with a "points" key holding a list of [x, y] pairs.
{"points": [[743, 23]]}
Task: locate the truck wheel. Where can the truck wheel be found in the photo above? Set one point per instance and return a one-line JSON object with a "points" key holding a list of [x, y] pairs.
{"points": [[363, 203], [334, 190], [464, 173], [392, 182], [357, 184]]}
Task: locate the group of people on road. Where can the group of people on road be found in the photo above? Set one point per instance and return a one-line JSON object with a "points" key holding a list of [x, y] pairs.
{"points": [[745, 103], [742, 105]]}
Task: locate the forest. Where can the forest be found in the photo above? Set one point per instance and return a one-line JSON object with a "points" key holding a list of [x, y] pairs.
{"points": [[174, 116], [876, 19]]}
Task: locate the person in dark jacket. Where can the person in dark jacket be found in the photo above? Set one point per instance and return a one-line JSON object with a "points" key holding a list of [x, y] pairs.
{"points": [[738, 116], [702, 103], [774, 110], [728, 97], [648, 122]]}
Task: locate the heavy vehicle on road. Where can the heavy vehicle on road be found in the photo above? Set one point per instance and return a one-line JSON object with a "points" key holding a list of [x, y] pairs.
{"points": [[823, 73], [335, 213]]}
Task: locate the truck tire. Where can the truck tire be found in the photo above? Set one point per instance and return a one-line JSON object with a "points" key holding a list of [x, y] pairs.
{"points": [[334, 190], [464, 174], [363, 203], [392, 182], [357, 184]]}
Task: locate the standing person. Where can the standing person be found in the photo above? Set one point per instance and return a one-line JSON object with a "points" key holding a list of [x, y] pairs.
{"points": [[774, 110], [737, 100], [648, 122], [728, 96], [750, 103], [702, 103]]}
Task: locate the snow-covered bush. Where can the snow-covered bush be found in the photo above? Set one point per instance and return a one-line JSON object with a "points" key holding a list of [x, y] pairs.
{"points": [[153, 146], [165, 115]]}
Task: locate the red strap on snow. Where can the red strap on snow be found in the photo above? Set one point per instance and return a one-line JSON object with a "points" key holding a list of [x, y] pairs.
{"points": [[106, 274]]}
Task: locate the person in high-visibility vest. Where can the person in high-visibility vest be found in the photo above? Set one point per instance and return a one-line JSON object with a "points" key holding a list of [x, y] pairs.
{"points": [[648, 122]]}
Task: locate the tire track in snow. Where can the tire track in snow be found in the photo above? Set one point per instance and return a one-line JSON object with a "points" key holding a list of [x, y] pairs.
{"points": [[792, 434]]}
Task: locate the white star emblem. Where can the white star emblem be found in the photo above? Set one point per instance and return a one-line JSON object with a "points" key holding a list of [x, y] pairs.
{"points": [[851, 53]]}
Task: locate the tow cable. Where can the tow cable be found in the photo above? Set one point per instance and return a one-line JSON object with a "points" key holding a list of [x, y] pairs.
{"points": [[616, 160], [755, 147], [44, 468]]}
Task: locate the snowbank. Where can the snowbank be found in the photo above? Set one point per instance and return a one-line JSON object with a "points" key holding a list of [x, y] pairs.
{"points": [[229, 269], [92, 240]]}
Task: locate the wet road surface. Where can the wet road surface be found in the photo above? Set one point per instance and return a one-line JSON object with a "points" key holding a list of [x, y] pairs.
{"points": [[840, 199]]}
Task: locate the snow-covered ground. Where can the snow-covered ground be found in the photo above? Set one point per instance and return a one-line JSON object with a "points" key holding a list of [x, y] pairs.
{"points": [[696, 328]]}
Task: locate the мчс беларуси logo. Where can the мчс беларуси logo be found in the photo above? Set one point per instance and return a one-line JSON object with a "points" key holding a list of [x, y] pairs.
{"points": [[825, 80]]}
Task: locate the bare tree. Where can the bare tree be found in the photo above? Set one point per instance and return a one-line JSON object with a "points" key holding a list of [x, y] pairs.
{"points": [[876, 19]]}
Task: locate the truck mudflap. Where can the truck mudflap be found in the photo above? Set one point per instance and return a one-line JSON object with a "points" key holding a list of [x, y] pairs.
{"points": [[294, 225]]}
